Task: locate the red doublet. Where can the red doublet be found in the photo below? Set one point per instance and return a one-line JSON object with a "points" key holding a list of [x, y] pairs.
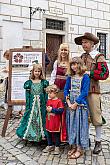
{"points": [[53, 121]]}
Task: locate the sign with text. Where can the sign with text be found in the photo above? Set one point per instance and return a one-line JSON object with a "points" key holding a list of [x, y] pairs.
{"points": [[19, 72], [27, 58], [19, 62], [17, 91]]}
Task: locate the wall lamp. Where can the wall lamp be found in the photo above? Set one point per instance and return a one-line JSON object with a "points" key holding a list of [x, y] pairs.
{"points": [[34, 10]]}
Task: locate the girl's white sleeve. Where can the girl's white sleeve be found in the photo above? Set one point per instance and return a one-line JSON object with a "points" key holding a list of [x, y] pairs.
{"points": [[53, 74]]}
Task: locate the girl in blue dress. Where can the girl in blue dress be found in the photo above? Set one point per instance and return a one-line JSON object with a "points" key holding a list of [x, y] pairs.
{"points": [[76, 92]]}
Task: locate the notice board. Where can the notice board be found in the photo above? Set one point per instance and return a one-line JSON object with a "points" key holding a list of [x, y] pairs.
{"points": [[20, 62]]}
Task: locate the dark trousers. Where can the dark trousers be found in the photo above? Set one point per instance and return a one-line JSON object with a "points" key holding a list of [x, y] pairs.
{"points": [[53, 136]]}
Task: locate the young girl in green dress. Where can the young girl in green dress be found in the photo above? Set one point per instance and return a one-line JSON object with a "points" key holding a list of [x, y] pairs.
{"points": [[32, 125]]}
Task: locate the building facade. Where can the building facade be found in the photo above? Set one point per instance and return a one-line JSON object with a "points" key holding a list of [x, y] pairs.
{"points": [[47, 23]]}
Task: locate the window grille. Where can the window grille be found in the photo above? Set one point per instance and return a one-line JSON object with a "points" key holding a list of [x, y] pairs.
{"points": [[54, 24], [103, 43]]}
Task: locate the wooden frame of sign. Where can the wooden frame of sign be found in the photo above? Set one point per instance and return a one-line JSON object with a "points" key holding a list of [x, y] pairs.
{"points": [[19, 61]]}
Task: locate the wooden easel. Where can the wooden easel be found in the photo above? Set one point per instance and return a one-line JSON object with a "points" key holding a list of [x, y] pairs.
{"points": [[11, 103]]}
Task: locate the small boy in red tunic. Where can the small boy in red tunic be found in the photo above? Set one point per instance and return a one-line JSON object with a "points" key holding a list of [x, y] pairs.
{"points": [[55, 109]]}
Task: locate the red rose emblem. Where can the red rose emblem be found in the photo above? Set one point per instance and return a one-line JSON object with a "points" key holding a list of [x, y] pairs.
{"points": [[18, 58]]}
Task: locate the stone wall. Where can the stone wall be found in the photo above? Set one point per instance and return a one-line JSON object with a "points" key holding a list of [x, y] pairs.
{"points": [[105, 99], [82, 15]]}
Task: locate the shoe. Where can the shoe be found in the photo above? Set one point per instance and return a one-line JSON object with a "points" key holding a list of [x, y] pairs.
{"points": [[97, 148], [76, 154], [56, 151], [73, 150], [48, 149]]}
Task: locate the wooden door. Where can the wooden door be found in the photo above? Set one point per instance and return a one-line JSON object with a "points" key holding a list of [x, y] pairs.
{"points": [[52, 45]]}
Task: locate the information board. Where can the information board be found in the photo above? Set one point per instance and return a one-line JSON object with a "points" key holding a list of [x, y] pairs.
{"points": [[20, 63]]}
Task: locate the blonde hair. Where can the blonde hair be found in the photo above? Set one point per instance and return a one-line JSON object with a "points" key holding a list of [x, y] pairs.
{"points": [[52, 88], [39, 67], [81, 67], [64, 45]]}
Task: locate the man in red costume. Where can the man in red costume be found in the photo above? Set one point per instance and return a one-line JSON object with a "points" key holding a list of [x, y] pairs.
{"points": [[97, 70]]}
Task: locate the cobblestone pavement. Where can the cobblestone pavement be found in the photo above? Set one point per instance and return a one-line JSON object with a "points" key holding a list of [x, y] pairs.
{"points": [[13, 151]]}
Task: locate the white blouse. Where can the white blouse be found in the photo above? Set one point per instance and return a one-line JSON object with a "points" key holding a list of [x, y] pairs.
{"points": [[53, 74]]}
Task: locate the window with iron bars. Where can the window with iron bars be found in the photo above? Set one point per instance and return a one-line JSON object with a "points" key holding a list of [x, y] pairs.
{"points": [[103, 43], [54, 24]]}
